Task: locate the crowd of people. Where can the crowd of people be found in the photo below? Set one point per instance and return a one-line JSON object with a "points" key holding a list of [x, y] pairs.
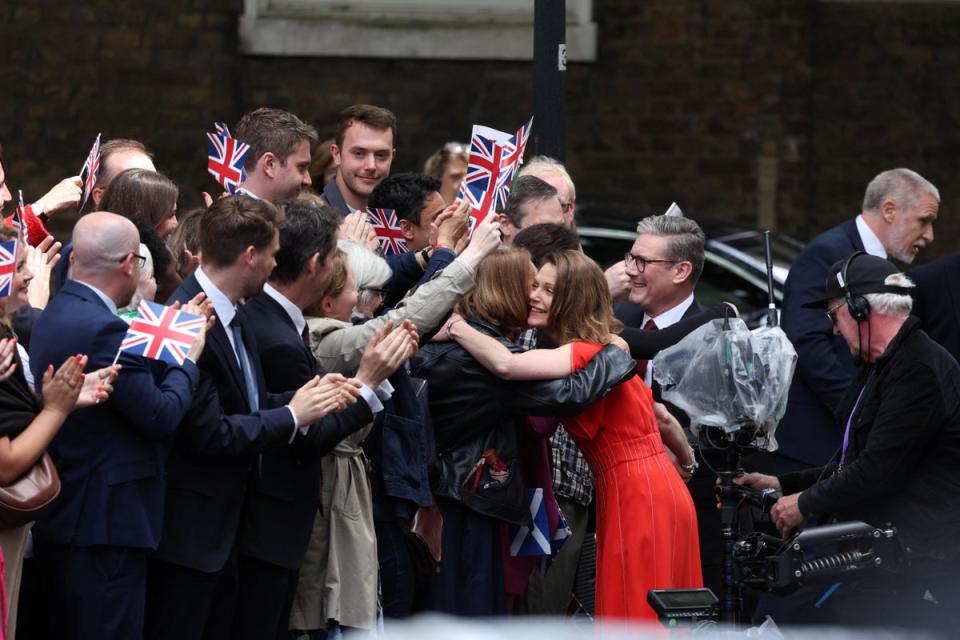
{"points": [[356, 437]]}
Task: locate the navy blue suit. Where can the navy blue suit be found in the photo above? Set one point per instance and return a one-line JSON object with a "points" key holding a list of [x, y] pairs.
{"points": [[936, 300], [406, 271], [193, 582], [809, 433], [110, 461], [285, 489]]}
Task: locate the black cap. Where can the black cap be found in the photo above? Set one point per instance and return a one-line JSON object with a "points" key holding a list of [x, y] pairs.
{"points": [[865, 274]]}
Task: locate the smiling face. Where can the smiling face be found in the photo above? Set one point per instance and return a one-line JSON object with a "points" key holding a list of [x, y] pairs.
{"points": [[656, 289], [21, 282], [340, 307], [541, 296], [363, 161]]}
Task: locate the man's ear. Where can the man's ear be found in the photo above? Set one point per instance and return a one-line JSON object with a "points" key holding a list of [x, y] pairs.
{"points": [[406, 228], [335, 154], [96, 194], [683, 272], [249, 255], [888, 210], [269, 164]]}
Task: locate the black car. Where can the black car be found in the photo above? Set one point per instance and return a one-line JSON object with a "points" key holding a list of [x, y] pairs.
{"points": [[734, 264]]}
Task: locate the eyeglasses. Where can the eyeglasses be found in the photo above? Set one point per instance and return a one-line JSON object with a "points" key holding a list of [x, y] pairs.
{"points": [[566, 205], [641, 263], [832, 311], [142, 259]]}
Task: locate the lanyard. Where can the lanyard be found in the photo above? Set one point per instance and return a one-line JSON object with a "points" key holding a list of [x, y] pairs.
{"points": [[846, 433]]}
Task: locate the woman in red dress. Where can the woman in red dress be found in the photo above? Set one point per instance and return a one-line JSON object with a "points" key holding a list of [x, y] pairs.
{"points": [[646, 522]]}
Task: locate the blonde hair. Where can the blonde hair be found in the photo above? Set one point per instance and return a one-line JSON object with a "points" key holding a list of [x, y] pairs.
{"points": [[337, 281], [582, 308], [502, 291]]}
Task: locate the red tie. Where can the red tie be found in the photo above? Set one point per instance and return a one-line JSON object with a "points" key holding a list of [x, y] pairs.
{"points": [[642, 364]]}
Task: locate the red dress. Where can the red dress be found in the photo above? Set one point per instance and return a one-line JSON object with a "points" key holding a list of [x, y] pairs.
{"points": [[646, 522]]}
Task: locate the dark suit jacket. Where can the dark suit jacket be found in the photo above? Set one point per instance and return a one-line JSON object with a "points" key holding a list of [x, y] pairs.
{"points": [[109, 456], [406, 271], [809, 432], [285, 488], [631, 315], [936, 300], [214, 450]]}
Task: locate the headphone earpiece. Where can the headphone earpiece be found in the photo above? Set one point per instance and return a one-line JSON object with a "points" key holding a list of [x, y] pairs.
{"points": [[858, 306]]}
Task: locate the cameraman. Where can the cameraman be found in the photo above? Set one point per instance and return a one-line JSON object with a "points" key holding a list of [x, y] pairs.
{"points": [[899, 461]]}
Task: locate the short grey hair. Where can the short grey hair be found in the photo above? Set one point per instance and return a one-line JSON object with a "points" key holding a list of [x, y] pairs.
{"points": [[685, 240], [370, 271], [903, 185], [540, 166], [892, 304]]}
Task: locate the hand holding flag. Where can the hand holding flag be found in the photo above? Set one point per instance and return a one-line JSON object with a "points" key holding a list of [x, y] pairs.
{"points": [[165, 333], [225, 158]]}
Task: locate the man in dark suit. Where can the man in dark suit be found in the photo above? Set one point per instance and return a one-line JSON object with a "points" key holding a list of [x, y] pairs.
{"points": [[899, 208], [92, 545], [664, 265], [193, 579], [936, 300], [278, 162], [285, 489]]}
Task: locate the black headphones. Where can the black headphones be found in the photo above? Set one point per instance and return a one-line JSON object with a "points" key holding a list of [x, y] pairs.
{"points": [[858, 305]]}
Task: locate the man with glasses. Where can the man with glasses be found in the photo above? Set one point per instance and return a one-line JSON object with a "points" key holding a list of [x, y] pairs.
{"points": [[532, 201], [899, 421], [663, 267]]}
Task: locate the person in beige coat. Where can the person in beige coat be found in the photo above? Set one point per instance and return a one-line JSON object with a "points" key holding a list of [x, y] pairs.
{"points": [[338, 580]]}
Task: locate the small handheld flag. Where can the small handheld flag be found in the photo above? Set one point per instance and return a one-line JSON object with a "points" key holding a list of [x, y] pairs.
{"points": [[387, 228], [91, 167], [526, 541], [8, 267], [19, 218], [162, 333], [225, 158], [494, 159]]}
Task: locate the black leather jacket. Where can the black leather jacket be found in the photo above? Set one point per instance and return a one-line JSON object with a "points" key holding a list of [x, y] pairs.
{"points": [[475, 412]]}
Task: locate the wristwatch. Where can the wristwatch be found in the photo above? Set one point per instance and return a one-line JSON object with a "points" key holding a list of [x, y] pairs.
{"points": [[425, 253]]}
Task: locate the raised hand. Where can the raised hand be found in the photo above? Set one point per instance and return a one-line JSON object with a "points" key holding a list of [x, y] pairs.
{"points": [[61, 389], [386, 351], [8, 363], [317, 398], [40, 261], [485, 240], [357, 227], [64, 194], [450, 225]]}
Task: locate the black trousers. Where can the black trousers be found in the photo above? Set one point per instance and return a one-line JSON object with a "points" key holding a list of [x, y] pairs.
{"points": [[264, 601], [187, 604], [93, 592]]}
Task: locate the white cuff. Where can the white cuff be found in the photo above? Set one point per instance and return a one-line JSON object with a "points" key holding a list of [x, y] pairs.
{"points": [[371, 398]]}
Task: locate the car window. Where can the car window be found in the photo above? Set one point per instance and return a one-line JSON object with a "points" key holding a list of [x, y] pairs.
{"points": [[719, 284]]}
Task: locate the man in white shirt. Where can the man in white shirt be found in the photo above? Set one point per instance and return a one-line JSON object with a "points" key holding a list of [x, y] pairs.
{"points": [[896, 221]]}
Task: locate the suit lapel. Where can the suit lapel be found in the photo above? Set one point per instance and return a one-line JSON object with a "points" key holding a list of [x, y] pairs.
{"points": [[273, 307]]}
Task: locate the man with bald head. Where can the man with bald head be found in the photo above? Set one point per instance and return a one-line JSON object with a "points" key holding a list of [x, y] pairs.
{"points": [[92, 544]]}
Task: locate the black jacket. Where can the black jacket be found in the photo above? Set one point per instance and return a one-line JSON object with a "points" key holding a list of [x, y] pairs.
{"points": [[901, 465], [472, 409]]}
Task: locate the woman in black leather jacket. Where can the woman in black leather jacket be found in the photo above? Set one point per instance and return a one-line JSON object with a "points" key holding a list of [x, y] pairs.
{"points": [[476, 419]]}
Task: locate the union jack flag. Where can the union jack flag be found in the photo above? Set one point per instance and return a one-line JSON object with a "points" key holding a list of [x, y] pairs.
{"points": [[19, 216], [8, 267], [387, 228], [225, 157], [161, 333], [494, 159], [91, 166]]}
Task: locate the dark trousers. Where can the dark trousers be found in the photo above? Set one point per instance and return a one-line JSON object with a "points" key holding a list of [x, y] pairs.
{"points": [[470, 581], [187, 604], [266, 595], [403, 578], [93, 592]]}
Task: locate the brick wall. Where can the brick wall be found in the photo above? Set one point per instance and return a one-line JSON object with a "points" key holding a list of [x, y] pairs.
{"points": [[770, 110]]}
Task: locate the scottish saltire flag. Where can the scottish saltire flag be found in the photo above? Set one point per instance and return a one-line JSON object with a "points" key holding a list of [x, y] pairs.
{"points": [[561, 534], [225, 157], [387, 227], [91, 167], [19, 218], [493, 162], [162, 333], [526, 541], [8, 267]]}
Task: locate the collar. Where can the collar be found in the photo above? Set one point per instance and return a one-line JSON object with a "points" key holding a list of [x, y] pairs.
{"points": [[331, 193], [243, 191], [296, 315], [100, 294], [871, 243], [670, 316], [222, 306]]}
